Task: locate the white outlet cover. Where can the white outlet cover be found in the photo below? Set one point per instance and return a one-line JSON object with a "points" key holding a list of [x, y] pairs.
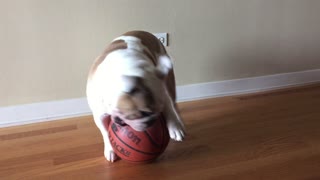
{"points": [[163, 38]]}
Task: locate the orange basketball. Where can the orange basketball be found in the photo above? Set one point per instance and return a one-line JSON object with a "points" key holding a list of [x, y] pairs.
{"points": [[139, 146]]}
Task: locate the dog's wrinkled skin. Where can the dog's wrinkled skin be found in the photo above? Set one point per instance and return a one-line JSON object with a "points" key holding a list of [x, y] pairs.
{"points": [[133, 81]]}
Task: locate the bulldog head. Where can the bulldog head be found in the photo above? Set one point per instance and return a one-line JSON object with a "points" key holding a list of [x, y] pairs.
{"points": [[139, 96]]}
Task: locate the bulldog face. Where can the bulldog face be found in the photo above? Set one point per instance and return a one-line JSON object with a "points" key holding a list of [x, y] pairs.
{"points": [[139, 100]]}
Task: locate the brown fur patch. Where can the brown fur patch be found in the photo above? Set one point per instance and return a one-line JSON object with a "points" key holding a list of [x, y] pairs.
{"points": [[125, 103], [115, 45], [147, 40], [143, 96], [150, 41], [151, 57]]}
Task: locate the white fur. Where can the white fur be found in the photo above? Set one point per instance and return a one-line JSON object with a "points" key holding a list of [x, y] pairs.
{"points": [[106, 85], [164, 64]]}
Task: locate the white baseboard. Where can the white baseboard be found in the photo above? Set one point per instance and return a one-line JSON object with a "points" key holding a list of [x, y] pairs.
{"points": [[54, 110], [44, 111], [246, 85]]}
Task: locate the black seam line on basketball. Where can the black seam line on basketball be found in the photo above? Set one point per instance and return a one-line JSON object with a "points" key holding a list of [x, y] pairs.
{"points": [[151, 140], [156, 153]]}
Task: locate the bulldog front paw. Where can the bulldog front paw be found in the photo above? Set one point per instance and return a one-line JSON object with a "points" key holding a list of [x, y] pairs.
{"points": [[176, 132], [110, 155]]}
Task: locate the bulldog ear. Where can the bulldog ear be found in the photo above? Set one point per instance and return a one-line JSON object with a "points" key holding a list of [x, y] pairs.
{"points": [[164, 66]]}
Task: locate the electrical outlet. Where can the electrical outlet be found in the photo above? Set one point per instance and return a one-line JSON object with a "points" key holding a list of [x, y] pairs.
{"points": [[163, 38]]}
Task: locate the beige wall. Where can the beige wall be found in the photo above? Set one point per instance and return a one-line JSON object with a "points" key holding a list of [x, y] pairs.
{"points": [[47, 46]]}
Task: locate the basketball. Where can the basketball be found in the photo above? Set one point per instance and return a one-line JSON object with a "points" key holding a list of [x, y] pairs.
{"points": [[139, 146]]}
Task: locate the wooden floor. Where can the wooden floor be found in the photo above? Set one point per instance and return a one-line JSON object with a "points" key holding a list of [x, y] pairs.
{"points": [[271, 136]]}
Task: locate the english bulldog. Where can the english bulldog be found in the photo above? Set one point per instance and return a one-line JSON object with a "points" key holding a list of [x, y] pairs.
{"points": [[133, 81]]}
